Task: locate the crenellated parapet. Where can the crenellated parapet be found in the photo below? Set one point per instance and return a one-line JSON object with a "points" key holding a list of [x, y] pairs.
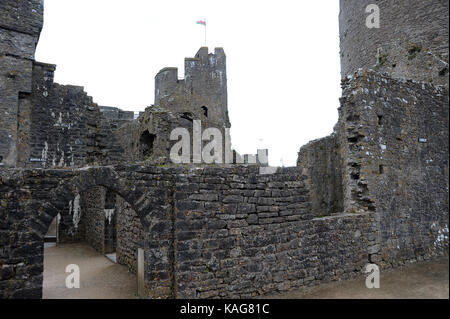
{"points": [[203, 91]]}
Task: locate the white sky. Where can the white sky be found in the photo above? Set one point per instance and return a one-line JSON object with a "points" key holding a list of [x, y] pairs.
{"points": [[282, 60]]}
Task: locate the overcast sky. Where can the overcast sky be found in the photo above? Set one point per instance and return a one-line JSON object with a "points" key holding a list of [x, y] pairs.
{"points": [[282, 60]]}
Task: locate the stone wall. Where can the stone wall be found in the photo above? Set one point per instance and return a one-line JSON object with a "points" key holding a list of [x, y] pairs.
{"points": [[148, 138], [322, 165], [394, 141], [60, 126], [412, 41], [116, 114], [21, 237], [130, 235], [242, 234], [42, 123], [72, 226], [154, 122], [25, 17], [208, 231], [20, 25], [232, 232], [229, 231], [93, 210]]}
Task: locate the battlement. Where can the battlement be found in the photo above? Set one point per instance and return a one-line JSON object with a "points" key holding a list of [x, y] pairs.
{"points": [[196, 69], [203, 52], [204, 59], [203, 89], [166, 82]]}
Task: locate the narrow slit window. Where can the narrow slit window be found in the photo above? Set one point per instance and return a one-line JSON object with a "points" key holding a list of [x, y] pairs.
{"points": [[205, 111], [380, 119]]}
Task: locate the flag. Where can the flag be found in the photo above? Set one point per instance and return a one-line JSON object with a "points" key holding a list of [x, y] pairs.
{"points": [[201, 22]]}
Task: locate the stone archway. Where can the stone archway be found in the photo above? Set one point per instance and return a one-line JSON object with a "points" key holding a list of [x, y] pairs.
{"points": [[32, 198], [102, 240]]}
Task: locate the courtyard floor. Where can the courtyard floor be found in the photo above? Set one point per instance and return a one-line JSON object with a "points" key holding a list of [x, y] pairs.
{"points": [[100, 278], [103, 279], [425, 280]]}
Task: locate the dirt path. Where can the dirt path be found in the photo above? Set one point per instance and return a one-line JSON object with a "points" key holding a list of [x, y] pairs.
{"points": [[99, 277], [426, 280]]}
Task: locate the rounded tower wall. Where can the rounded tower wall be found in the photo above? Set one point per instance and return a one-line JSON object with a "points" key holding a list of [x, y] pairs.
{"points": [[411, 41]]}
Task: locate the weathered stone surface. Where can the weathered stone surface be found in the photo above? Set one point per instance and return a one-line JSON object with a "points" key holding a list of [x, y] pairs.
{"points": [[411, 43], [180, 240], [322, 164], [204, 86], [387, 167], [20, 25], [202, 96], [392, 147], [130, 234], [23, 16], [376, 190]]}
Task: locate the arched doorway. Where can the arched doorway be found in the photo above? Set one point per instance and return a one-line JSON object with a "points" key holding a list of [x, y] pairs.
{"points": [[106, 234], [31, 199]]}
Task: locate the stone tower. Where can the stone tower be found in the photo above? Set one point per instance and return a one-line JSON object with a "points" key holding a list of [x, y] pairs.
{"points": [[203, 91], [411, 43], [20, 26]]}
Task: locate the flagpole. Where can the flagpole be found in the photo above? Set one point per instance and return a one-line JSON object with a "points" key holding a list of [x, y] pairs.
{"points": [[203, 23]]}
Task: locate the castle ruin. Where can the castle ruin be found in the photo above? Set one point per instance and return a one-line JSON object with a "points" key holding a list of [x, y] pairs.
{"points": [[374, 191]]}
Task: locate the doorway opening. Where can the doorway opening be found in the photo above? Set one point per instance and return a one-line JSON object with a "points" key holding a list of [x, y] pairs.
{"points": [[110, 228], [146, 143], [101, 234]]}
